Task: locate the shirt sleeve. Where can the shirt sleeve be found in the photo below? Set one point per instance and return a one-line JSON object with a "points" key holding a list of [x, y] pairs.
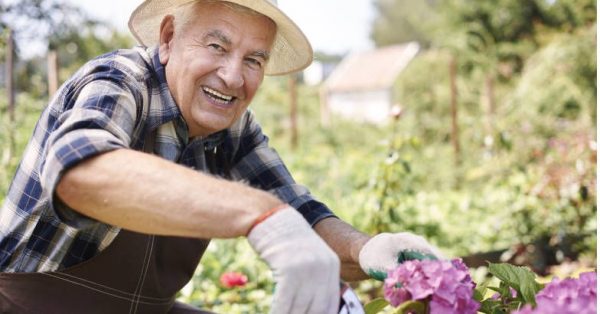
{"points": [[99, 117], [260, 165]]}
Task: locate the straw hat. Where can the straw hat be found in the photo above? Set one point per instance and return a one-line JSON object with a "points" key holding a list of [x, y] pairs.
{"points": [[291, 50]]}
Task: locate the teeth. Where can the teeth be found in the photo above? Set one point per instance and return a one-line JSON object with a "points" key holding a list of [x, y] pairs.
{"points": [[218, 96]]}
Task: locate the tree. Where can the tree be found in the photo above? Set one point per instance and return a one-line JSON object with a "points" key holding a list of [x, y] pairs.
{"points": [[60, 26], [73, 49], [76, 47], [402, 21], [38, 20]]}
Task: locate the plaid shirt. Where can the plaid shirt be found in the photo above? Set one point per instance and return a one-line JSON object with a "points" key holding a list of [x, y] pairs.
{"points": [[121, 100]]}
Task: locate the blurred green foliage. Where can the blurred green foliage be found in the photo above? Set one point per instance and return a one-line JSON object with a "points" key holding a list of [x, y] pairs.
{"points": [[527, 115], [14, 136]]}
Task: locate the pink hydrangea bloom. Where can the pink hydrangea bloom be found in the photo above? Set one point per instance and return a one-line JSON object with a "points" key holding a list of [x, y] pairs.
{"points": [[568, 296], [447, 285]]}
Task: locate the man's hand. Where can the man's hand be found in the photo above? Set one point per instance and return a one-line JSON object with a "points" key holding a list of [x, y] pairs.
{"points": [[305, 269], [385, 251]]}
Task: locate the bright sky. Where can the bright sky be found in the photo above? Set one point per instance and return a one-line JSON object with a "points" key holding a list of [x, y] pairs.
{"points": [[332, 26]]}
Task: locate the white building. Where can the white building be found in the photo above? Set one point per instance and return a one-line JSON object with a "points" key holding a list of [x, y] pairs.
{"points": [[361, 86]]}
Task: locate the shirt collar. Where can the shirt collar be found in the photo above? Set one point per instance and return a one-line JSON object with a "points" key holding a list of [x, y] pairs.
{"points": [[168, 110]]}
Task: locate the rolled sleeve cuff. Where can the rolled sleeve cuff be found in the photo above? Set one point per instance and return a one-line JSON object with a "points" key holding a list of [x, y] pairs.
{"points": [[64, 154], [314, 211], [300, 198]]}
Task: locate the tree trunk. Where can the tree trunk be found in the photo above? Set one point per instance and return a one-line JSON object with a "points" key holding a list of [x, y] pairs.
{"points": [[324, 109]]}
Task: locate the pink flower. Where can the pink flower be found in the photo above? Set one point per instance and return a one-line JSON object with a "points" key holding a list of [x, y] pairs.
{"points": [[233, 279], [393, 290], [568, 296], [447, 285], [513, 294]]}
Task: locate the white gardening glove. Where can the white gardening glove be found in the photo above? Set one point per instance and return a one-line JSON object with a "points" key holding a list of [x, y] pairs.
{"points": [[385, 251], [305, 269]]}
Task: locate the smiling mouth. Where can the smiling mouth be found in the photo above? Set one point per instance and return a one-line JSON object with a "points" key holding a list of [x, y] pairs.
{"points": [[218, 97]]}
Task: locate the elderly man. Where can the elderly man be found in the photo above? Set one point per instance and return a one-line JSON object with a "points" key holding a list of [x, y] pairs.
{"points": [[137, 163]]}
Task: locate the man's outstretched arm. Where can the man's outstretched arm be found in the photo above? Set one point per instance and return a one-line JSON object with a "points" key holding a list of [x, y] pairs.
{"points": [[362, 256], [347, 242], [148, 194]]}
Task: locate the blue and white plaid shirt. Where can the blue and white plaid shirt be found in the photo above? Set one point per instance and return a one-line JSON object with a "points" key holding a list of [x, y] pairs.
{"points": [[120, 100]]}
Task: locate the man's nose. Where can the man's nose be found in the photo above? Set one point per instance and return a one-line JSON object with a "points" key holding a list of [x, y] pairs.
{"points": [[231, 73]]}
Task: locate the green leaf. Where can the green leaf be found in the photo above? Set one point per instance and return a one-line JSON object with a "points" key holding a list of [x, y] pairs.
{"points": [[487, 306], [375, 306], [514, 305], [499, 310], [496, 289], [479, 292], [505, 291], [416, 307], [519, 278], [477, 295]]}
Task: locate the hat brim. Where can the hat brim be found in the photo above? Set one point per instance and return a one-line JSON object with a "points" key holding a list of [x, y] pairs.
{"points": [[291, 51]]}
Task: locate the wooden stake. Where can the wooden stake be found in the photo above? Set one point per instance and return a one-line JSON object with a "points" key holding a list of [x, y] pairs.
{"points": [[52, 73], [490, 95], [10, 92]]}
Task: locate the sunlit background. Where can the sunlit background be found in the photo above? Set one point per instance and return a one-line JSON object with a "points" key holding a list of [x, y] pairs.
{"points": [[332, 26]]}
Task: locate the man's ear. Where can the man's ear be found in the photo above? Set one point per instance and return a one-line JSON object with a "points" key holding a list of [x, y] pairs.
{"points": [[167, 33]]}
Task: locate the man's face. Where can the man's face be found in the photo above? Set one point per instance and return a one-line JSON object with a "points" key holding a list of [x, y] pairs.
{"points": [[215, 64]]}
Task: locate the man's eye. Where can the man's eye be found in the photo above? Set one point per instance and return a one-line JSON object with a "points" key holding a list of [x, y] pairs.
{"points": [[254, 63], [216, 47]]}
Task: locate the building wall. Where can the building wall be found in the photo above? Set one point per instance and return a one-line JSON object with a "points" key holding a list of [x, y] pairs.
{"points": [[368, 106], [313, 75]]}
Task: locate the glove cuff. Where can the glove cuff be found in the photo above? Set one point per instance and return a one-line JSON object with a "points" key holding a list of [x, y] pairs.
{"points": [[372, 261], [284, 223], [266, 215]]}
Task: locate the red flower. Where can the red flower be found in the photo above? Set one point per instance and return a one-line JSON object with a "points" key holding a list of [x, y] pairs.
{"points": [[233, 279]]}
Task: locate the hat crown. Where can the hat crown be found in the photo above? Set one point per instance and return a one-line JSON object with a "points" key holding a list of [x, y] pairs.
{"points": [[291, 50]]}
